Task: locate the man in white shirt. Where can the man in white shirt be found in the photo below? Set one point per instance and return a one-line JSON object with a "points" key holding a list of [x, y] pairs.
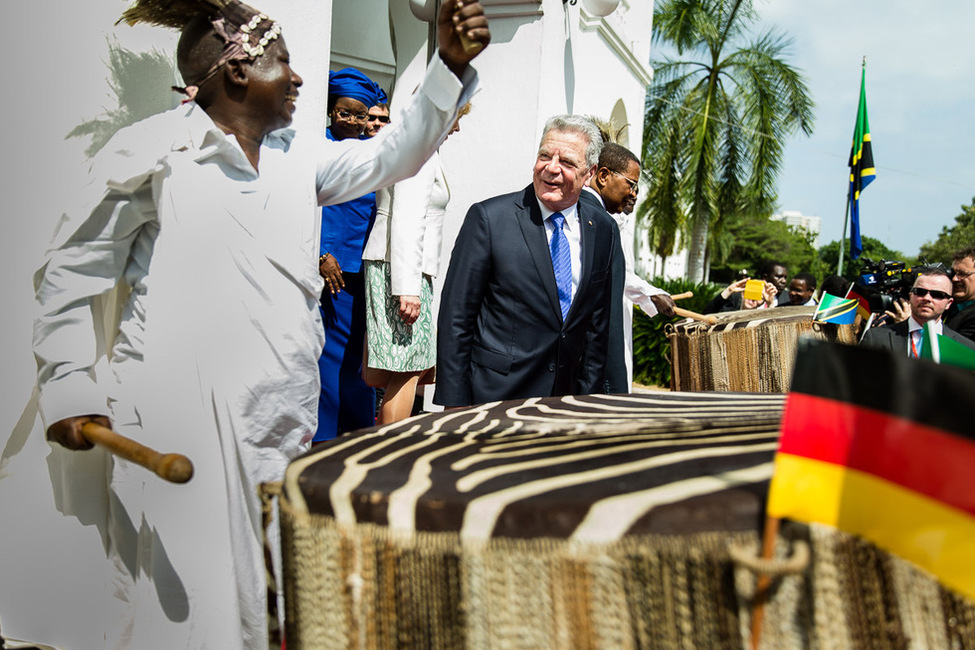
{"points": [[202, 222], [930, 297]]}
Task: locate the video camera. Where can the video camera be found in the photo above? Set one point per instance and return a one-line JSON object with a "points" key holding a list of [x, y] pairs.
{"points": [[887, 280]]}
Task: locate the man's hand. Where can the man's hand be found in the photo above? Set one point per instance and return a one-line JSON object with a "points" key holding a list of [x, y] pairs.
{"points": [[67, 432], [769, 293], [409, 308], [664, 304], [735, 287], [457, 18], [332, 273], [900, 310]]}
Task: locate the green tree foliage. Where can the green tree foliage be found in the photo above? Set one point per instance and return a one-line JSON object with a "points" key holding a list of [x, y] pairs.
{"points": [[651, 347], [716, 122], [961, 235], [873, 249], [749, 241]]}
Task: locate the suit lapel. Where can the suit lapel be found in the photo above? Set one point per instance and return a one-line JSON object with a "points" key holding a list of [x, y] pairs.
{"points": [[587, 237], [529, 218]]}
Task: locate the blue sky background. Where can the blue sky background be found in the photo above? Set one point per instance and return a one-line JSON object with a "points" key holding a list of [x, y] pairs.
{"points": [[921, 99]]}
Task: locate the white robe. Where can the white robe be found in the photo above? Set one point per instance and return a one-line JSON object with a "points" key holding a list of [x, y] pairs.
{"points": [[215, 357]]}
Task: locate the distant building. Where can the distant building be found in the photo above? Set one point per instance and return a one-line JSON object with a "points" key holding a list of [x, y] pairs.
{"points": [[796, 219]]}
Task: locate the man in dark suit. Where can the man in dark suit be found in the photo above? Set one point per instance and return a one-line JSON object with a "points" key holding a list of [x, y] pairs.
{"points": [[613, 188], [525, 307], [930, 297], [961, 315]]}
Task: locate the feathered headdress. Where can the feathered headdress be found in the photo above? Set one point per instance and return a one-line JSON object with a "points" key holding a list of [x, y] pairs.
{"points": [[244, 30]]}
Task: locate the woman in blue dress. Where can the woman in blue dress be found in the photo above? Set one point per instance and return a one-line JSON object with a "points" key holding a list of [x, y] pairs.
{"points": [[346, 402]]}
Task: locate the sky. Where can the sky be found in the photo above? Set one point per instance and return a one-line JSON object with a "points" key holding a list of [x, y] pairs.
{"points": [[920, 83]]}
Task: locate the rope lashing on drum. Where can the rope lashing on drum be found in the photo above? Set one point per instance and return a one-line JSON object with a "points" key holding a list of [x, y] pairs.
{"points": [[746, 555]]}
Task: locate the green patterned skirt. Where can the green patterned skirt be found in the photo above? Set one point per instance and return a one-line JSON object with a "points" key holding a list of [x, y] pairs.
{"points": [[392, 344]]}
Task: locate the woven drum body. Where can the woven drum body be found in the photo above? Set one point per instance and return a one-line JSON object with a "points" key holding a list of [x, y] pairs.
{"points": [[749, 351], [580, 522]]}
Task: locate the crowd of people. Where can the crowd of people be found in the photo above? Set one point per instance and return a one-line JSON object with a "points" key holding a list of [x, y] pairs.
{"points": [[944, 296]]}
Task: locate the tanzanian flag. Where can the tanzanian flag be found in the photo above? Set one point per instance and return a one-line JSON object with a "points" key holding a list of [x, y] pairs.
{"points": [[833, 309], [862, 171], [882, 446]]}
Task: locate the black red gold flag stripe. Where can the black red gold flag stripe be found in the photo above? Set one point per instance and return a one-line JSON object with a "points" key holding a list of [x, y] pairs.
{"points": [[883, 447]]}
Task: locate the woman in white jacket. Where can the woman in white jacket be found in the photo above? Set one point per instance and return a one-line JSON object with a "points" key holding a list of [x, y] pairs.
{"points": [[401, 259]]}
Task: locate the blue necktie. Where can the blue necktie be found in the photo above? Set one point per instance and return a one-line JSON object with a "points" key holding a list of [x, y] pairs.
{"points": [[561, 263]]}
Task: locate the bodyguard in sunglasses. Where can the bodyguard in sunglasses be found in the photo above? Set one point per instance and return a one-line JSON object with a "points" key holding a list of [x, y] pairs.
{"points": [[930, 297]]}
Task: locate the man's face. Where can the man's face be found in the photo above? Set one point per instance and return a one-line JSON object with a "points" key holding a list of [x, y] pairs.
{"points": [[963, 286], [378, 118], [926, 308], [274, 85], [799, 292], [560, 169], [348, 118], [619, 188], [779, 277]]}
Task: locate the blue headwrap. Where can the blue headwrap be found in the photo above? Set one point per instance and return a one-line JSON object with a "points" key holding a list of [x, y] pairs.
{"points": [[349, 82]]}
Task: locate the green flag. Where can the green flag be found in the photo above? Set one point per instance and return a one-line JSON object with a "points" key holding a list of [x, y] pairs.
{"points": [[945, 350]]}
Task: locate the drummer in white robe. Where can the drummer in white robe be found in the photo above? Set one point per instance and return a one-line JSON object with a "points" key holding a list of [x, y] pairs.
{"points": [[201, 222]]}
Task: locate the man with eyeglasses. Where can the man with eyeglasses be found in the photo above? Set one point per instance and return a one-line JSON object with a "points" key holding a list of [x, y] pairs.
{"points": [[930, 297], [615, 187], [961, 315], [377, 118]]}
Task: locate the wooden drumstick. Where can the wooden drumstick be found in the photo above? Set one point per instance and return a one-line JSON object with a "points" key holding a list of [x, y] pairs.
{"points": [[471, 47], [686, 313], [175, 468], [681, 296]]}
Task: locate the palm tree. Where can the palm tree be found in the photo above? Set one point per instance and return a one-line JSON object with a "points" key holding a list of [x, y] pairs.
{"points": [[715, 126]]}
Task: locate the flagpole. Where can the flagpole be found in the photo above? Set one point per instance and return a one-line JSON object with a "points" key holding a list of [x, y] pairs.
{"points": [[764, 584], [846, 219]]}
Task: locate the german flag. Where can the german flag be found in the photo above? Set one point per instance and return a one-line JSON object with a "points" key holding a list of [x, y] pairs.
{"points": [[882, 446], [859, 293], [862, 171]]}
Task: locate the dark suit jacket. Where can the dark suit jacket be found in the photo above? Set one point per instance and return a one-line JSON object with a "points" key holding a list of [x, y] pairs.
{"points": [[500, 330], [893, 338], [617, 379], [961, 320]]}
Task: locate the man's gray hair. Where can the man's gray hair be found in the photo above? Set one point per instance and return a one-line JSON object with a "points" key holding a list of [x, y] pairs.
{"points": [[582, 126]]}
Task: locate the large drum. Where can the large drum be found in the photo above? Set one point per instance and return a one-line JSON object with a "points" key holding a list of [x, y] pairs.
{"points": [[750, 351], [580, 522]]}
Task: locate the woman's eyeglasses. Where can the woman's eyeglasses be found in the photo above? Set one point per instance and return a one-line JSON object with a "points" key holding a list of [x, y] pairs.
{"points": [[347, 115]]}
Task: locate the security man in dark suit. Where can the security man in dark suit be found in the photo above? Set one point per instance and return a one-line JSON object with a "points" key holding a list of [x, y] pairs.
{"points": [[930, 297], [525, 307]]}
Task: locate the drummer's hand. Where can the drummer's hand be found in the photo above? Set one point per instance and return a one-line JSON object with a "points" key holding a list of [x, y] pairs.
{"points": [[461, 17], [734, 287], [67, 432], [768, 293], [664, 304], [409, 308], [332, 272]]}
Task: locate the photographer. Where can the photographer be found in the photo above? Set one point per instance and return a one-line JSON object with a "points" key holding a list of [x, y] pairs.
{"points": [[930, 296]]}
